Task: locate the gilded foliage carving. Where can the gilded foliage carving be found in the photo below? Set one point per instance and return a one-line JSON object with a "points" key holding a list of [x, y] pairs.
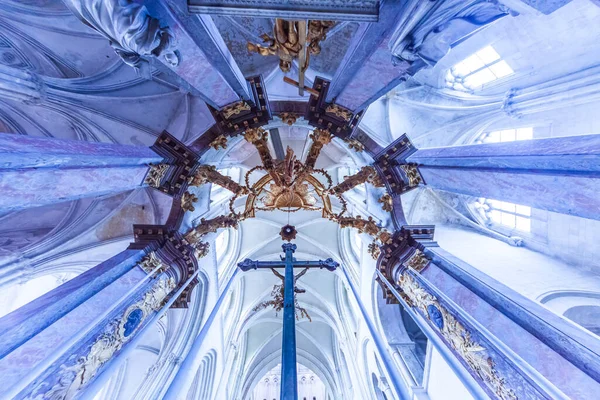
{"points": [[339, 112], [187, 201], [418, 261], [219, 143], [412, 173], [456, 334], [234, 109], [368, 226], [151, 263], [288, 118], [355, 145], [156, 173], [386, 202]]}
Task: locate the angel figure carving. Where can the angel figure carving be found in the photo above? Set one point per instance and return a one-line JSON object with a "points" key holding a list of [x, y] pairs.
{"points": [[278, 293]]}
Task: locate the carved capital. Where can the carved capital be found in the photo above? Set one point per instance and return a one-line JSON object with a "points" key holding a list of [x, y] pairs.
{"points": [[254, 135]]}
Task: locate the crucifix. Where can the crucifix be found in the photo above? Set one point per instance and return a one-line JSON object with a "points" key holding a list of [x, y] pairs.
{"points": [[289, 378]]}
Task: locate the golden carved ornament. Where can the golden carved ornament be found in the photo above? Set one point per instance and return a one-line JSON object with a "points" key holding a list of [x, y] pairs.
{"points": [[355, 145], [290, 188], [288, 118], [194, 235], [321, 136], [417, 261], [387, 203], [459, 337], [368, 226], [253, 135], [235, 109], [201, 249], [187, 201], [156, 173], [374, 250], [151, 263], [209, 173], [339, 111], [412, 173], [219, 143]]}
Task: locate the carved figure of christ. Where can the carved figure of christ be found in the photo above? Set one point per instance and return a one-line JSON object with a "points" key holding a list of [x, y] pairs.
{"points": [[289, 374]]}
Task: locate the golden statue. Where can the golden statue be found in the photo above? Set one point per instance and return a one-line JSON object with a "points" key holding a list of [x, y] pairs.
{"points": [[290, 38], [285, 43]]}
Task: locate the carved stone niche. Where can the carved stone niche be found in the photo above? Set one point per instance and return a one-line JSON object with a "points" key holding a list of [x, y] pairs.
{"points": [[398, 176], [338, 120], [182, 162], [235, 118], [170, 247]]}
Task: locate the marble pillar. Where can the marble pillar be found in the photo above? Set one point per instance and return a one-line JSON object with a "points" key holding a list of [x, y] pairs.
{"points": [[39, 171], [557, 174], [162, 34], [408, 37], [57, 345], [519, 337], [512, 346]]}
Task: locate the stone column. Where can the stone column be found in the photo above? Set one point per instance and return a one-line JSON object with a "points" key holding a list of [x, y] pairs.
{"points": [[556, 174], [513, 347], [60, 344], [39, 171], [408, 37]]}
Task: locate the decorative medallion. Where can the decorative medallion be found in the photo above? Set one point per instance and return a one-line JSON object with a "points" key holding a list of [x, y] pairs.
{"points": [[435, 315], [288, 233]]}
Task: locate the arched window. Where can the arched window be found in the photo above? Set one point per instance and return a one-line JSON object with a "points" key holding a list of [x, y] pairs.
{"points": [[503, 214], [506, 135], [475, 71]]}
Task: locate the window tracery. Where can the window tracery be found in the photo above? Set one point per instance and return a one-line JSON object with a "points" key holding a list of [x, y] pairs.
{"points": [[482, 67], [504, 214]]}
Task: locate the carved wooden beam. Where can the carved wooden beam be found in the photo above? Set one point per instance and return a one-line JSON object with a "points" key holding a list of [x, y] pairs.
{"points": [[209, 173], [258, 137], [320, 138], [365, 174], [194, 235]]}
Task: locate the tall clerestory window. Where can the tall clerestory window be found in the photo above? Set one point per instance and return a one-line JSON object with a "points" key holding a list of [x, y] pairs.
{"points": [[506, 135], [472, 73], [503, 214]]}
